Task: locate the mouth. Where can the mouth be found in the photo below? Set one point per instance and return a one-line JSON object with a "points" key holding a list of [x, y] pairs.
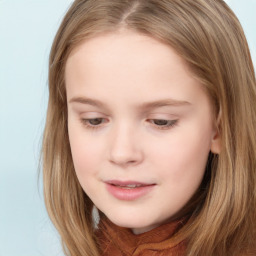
{"points": [[128, 190], [128, 184]]}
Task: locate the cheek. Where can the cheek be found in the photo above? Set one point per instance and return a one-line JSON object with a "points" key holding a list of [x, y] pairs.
{"points": [[181, 167], [85, 153], [182, 158]]}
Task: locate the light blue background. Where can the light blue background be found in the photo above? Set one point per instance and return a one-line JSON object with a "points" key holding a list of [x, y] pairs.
{"points": [[27, 28]]}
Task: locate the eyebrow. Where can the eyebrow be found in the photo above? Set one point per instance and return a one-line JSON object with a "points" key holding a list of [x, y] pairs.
{"points": [[144, 106], [88, 101]]}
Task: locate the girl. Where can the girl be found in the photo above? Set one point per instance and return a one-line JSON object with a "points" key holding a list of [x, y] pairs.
{"points": [[151, 122]]}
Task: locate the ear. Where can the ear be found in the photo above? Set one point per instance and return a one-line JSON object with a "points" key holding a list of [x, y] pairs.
{"points": [[216, 139], [216, 143]]}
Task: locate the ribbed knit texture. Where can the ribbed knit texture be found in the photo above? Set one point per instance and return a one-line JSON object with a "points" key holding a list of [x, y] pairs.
{"points": [[161, 241]]}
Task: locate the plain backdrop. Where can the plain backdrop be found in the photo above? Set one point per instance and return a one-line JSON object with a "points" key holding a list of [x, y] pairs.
{"points": [[27, 28]]}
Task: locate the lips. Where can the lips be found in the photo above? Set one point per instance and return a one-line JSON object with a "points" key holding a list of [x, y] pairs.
{"points": [[129, 186], [128, 190], [127, 183]]}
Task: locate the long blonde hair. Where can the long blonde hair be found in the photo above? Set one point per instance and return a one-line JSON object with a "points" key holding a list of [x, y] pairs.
{"points": [[208, 36]]}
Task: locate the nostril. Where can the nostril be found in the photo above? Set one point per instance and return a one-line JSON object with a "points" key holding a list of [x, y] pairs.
{"points": [[125, 160], [122, 161]]}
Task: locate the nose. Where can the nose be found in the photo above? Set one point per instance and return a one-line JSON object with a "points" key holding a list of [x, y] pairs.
{"points": [[125, 148]]}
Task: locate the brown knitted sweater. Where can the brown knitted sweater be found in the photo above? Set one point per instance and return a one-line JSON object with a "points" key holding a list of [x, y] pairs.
{"points": [[161, 241]]}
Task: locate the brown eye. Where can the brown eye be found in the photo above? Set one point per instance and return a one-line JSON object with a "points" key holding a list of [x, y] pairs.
{"points": [[95, 121], [163, 123], [160, 122]]}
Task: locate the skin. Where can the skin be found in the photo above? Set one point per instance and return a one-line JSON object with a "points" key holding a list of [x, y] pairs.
{"points": [[115, 135]]}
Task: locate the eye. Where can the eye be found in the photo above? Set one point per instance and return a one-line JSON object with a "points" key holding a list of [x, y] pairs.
{"points": [[163, 123], [93, 123]]}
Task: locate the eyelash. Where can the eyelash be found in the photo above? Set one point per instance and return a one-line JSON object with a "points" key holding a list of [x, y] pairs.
{"points": [[169, 125], [87, 124]]}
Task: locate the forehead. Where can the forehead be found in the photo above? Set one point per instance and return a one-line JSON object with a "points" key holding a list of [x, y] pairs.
{"points": [[128, 64], [125, 48]]}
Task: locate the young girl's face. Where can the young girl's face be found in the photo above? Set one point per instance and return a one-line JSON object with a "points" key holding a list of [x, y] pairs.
{"points": [[140, 128]]}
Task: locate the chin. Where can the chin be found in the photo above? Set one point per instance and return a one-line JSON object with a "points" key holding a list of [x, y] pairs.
{"points": [[132, 221]]}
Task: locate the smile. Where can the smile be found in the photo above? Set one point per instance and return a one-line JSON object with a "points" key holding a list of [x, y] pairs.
{"points": [[128, 190], [130, 186]]}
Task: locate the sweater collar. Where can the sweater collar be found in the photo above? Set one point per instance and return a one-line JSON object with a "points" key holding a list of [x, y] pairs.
{"points": [[124, 240]]}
